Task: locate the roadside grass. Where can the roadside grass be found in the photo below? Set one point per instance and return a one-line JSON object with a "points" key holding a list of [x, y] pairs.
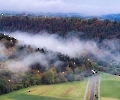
{"points": [[106, 76], [64, 91], [110, 87], [109, 99]]}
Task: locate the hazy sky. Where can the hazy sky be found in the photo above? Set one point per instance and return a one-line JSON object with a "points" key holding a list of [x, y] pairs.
{"points": [[89, 7]]}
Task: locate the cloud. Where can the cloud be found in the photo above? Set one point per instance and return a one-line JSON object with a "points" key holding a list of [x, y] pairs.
{"points": [[89, 7], [72, 46], [3, 53], [23, 65], [32, 5]]}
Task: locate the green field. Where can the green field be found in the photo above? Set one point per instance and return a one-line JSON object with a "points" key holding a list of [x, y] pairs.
{"points": [[109, 90], [110, 87], [64, 91]]}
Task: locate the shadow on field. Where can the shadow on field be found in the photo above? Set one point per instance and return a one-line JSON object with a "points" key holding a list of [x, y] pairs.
{"points": [[34, 97]]}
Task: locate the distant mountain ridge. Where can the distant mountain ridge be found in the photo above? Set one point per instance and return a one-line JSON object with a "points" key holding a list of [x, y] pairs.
{"points": [[115, 17]]}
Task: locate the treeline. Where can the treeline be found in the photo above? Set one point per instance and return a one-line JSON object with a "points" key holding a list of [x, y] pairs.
{"points": [[71, 69], [92, 28]]}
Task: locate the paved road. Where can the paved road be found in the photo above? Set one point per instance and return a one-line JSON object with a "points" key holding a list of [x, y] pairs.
{"points": [[94, 80], [91, 88]]}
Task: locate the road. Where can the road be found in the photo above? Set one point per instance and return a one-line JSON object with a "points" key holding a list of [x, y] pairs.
{"points": [[92, 88]]}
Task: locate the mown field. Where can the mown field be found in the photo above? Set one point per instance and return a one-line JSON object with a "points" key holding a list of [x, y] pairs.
{"points": [[109, 90], [110, 87], [64, 91]]}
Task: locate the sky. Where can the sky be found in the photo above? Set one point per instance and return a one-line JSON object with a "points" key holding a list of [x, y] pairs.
{"points": [[86, 7]]}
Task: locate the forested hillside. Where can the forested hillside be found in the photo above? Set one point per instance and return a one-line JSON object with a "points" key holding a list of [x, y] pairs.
{"points": [[91, 28], [22, 66]]}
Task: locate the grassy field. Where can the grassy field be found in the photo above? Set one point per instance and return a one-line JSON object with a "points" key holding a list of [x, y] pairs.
{"points": [[109, 90], [110, 87], [65, 91]]}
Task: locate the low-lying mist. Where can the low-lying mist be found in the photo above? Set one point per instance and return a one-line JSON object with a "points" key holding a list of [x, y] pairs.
{"points": [[73, 47]]}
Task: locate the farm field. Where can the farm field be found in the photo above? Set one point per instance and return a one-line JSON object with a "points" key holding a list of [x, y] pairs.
{"points": [[64, 91], [109, 90], [110, 87]]}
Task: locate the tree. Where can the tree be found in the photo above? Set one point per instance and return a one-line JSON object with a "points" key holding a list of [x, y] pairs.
{"points": [[5, 86], [48, 77]]}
